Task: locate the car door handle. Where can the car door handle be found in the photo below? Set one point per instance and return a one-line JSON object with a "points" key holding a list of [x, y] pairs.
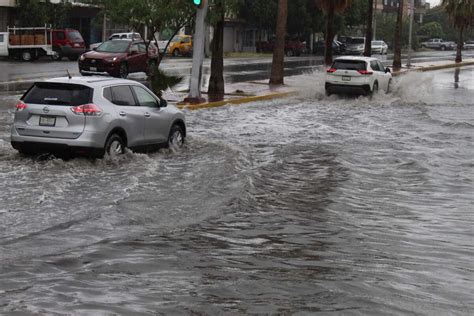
{"points": [[122, 113], [147, 114]]}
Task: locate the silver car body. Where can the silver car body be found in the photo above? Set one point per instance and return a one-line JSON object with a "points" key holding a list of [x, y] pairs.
{"points": [[379, 47], [48, 125]]}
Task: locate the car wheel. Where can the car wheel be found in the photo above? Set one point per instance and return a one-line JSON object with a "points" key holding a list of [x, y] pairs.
{"points": [[123, 71], [443, 48], [57, 55], [26, 55], [328, 93], [176, 137], [375, 88], [115, 146], [290, 53], [176, 53]]}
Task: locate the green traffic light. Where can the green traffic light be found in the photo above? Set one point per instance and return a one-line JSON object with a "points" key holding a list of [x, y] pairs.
{"points": [[197, 2]]}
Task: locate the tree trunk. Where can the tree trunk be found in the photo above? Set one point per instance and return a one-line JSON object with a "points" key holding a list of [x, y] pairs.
{"points": [[329, 35], [397, 57], [369, 30], [216, 88], [276, 77], [460, 46]]}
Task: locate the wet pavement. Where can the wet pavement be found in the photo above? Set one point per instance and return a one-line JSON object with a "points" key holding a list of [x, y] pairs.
{"points": [[301, 205]]}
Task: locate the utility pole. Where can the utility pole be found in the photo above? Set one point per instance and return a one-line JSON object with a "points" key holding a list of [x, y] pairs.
{"points": [[198, 53], [412, 16]]}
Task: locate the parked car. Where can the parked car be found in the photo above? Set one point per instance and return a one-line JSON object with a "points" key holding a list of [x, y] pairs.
{"points": [[437, 43], [292, 47], [355, 45], [338, 48], [469, 45], [93, 117], [118, 58], [361, 75], [379, 47], [180, 45], [132, 36], [68, 43]]}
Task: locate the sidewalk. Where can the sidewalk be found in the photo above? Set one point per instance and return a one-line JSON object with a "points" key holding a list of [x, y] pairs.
{"points": [[240, 93]]}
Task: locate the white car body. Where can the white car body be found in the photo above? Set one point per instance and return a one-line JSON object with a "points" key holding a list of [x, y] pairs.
{"points": [[354, 74], [379, 47]]}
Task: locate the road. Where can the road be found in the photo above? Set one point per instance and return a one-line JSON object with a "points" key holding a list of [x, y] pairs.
{"points": [[235, 70], [301, 205]]}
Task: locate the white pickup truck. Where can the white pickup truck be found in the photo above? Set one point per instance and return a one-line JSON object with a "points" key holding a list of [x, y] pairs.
{"points": [[26, 43], [437, 43]]}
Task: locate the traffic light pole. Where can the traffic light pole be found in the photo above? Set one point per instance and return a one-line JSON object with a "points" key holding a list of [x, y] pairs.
{"points": [[198, 56], [412, 17]]}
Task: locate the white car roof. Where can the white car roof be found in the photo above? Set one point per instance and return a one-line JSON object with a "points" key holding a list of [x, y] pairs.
{"points": [[361, 58], [93, 81]]}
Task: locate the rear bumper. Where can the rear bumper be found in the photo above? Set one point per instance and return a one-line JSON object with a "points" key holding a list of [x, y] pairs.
{"points": [[61, 149], [72, 51], [347, 89]]}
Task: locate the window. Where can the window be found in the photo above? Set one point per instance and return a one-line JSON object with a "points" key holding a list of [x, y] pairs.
{"points": [[142, 48], [1, 38], [60, 36], [187, 40], [349, 64], [374, 65], [144, 98], [108, 94], [381, 66], [122, 95], [134, 48], [58, 94]]}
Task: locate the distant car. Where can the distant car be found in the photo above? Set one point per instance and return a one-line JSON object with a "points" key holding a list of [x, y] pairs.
{"points": [[94, 116], [379, 47], [67, 43], [338, 48], [469, 45], [181, 45], [360, 75], [118, 58], [132, 36], [292, 47], [437, 43], [355, 45]]}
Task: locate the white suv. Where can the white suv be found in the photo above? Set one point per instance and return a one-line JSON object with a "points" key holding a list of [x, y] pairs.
{"points": [[362, 75]]}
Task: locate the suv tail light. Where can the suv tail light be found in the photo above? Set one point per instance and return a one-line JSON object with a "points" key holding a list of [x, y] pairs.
{"points": [[331, 70], [364, 72], [87, 110], [20, 106]]}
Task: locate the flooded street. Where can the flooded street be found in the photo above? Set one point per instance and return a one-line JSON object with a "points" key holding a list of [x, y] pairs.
{"points": [[294, 206]]}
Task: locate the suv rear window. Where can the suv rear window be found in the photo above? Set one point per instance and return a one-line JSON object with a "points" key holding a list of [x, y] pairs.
{"points": [[58, 94], [349, 65], [75, 36]]}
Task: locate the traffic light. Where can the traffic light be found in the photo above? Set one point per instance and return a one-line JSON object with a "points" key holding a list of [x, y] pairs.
{"points": [[199, 3]]}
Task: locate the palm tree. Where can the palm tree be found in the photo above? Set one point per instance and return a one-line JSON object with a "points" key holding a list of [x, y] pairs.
{"points": [[461, 13], [369, 29], [276, 77], [331, 7], [397, 48], [216, 88]]}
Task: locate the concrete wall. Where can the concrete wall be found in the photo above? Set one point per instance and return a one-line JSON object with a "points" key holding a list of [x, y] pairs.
{"points": [[5, 18]]}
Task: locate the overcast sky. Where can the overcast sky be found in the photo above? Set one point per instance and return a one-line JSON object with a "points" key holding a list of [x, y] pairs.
{"points": [[434, 2]]}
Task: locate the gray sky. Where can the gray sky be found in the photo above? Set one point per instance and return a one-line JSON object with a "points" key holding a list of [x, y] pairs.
{"points": [[434, 2]]}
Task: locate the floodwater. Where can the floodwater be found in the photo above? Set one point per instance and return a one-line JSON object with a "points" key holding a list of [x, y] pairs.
{"points": [[294, 206]]}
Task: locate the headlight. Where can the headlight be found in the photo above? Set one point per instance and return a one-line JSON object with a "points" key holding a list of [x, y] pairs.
{"points": [[111, 60], [82, 58]]}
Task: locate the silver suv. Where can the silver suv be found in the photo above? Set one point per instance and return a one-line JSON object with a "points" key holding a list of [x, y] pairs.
{"points": [[94, 116]]}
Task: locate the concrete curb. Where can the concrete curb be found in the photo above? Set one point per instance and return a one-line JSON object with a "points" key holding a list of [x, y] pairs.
{"points": [[237, 101], [432, 68]]}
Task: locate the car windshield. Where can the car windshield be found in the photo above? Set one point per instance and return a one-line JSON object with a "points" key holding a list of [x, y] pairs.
{"points": [[377, 43], [75, 36], [356, 40], [114, 47], [176, 39], [342, 64], [51, 93]]}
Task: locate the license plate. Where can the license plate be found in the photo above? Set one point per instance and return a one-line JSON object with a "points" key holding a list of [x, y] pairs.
{"points": [[346, 78], [47, 121], [93, 68]]}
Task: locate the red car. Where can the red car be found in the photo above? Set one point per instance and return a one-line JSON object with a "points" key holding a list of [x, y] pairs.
{"points": [[67, 43], [118, 58]]}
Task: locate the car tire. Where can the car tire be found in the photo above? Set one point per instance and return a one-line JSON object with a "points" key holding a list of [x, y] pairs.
{"points": [[57, 55], [328, 93], [123, 71], [176, 53], [375, 88], [114, 146], [443, 48], [176, 137], [27, 55], [290, 53]]}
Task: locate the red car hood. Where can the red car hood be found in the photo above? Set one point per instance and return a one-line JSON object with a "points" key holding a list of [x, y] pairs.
{"points": [[103, 55]]}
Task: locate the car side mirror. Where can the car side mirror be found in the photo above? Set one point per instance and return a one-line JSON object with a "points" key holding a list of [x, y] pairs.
{"points": [[163, 103], [387, 70], [94, 49]]}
